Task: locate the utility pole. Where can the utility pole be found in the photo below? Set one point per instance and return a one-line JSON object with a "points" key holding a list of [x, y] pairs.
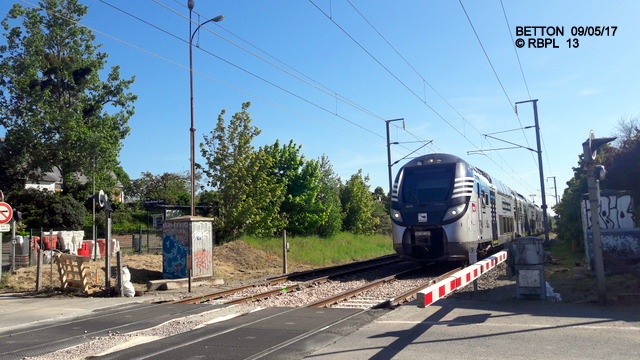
{"points": [[589, 148], [389, 165], [545, 219]]}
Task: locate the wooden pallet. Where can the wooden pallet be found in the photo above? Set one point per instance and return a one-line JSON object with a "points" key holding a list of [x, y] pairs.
{"points": [[74, 272]]}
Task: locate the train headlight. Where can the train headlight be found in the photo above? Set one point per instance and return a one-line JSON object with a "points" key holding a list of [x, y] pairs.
{"points": [[396, 216], [454, 212]]}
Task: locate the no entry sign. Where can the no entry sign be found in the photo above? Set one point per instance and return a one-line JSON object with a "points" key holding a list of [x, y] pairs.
{"points": [[6, 213]]}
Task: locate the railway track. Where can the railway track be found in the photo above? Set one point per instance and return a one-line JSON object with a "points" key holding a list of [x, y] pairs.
{"points": [[278, 284], [291, 301], [398, 292], [381, 282]]}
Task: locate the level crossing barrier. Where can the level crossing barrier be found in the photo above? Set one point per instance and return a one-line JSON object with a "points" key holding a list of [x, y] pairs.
{"points": [[437, 291]]}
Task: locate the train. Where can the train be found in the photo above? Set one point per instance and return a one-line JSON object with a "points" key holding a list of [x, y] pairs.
{"points": [[444, 209]]}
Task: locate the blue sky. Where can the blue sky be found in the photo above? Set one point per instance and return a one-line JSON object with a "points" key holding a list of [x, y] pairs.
{"points": [[318, 72]]}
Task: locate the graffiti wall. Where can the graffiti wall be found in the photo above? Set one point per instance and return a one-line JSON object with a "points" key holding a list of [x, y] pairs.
{"points": [[616, 210], [620, 238], [175, 247], [620, 244]]}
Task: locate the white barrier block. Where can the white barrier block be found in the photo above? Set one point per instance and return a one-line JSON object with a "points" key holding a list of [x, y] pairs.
{"points": [[461, 278]]}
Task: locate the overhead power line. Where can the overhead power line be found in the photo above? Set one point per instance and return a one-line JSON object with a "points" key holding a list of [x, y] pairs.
{"points": [[495, 73], [524, 78], [200, 73], [510, 173], [328, 91]]}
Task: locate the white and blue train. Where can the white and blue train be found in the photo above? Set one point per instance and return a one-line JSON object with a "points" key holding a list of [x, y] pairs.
{"points": [[445, 209]]}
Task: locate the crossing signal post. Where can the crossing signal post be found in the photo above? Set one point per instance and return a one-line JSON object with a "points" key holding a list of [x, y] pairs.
{"points": [[595, 173], [103, 201]]}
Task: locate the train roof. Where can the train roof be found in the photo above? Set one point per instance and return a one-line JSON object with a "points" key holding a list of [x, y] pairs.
{"points": [[442, 158], [435, 158]]}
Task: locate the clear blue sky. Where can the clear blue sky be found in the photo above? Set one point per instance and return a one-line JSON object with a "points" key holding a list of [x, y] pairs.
{"points": [[318, 72]]}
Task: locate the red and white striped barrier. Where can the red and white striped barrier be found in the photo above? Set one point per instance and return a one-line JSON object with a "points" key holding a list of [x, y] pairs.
{"points": [[458, 280]]}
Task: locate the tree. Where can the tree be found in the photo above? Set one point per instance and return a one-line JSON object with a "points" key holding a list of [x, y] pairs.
{"points": [[381, 211], [247, 192], [57, 110], [623, 165], [172, 187], [358, 206], [329, 197], [308, 207], [568, 210], [627, 129], [49, 210], [623, 168]]}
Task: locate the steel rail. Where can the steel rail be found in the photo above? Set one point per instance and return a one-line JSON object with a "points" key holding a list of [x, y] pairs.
{"points": [[213, 296], [264, 295], [385, 260], [352, 292], [358, 266]]}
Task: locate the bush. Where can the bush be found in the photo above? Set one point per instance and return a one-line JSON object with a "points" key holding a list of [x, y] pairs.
{"points": [[45, 209]]}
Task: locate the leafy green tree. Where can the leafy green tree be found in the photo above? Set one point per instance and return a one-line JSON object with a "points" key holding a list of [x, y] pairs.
{"points": [[307, 206], [49, 210], [66, 213], [358, 205], [172, 187], [381, 211], [259, 207], [247, 192], [329, 197], [623, 168], [57, 110], [568, 210], [303, 206]]}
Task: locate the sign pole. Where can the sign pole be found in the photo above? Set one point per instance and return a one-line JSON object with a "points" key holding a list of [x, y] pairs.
{"points": [[13, 245], [6, 214]]}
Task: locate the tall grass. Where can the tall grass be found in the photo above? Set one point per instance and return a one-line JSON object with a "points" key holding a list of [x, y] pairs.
{"points": [[567, 256], [319, 251]]}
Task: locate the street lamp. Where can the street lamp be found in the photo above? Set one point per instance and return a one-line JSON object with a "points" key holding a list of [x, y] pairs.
{"points": [[192, 130]]}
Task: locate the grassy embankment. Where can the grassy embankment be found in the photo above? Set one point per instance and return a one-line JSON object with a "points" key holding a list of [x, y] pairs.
{"points": [[318, 251]]}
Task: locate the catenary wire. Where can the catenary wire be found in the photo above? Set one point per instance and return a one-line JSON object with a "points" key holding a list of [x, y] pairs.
{"points": [[495, 73], [243, 69], [423, 78], [524, 78], [510, 174], [203, 74], [328, 91]]}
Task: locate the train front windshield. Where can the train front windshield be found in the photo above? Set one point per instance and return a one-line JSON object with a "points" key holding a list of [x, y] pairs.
{"points": [[427, 184]]}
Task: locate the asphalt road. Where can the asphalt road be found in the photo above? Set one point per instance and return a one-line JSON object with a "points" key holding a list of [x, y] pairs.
{"points": [[492, 325]]}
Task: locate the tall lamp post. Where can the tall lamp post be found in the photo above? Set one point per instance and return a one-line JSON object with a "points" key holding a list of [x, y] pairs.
{"points": [[192, 130]]}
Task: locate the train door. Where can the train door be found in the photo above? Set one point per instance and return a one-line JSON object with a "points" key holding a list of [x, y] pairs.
{"points": [[480, 209], [484, 213], [527, 222], [516, 216], [494, 217]]}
